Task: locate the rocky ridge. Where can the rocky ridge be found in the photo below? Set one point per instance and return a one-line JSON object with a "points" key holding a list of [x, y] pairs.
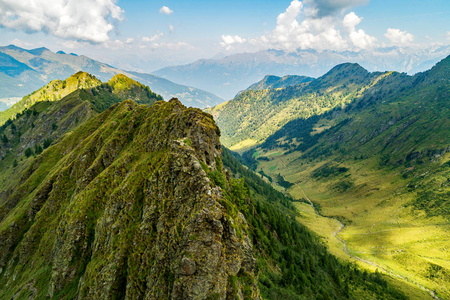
{"points": [[116, 211]]}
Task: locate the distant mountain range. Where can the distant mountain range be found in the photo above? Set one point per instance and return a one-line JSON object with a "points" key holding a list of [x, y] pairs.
{"points": [[226, 76], [23, 71]]}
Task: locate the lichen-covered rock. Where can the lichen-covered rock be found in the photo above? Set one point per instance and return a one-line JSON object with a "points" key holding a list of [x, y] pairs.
{"points": [[124, 207]]}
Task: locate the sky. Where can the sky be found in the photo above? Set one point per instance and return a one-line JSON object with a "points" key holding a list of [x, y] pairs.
{"points": [[145, 35]]}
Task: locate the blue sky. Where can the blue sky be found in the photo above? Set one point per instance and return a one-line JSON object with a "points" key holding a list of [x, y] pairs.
{"points": [[146, 35]]}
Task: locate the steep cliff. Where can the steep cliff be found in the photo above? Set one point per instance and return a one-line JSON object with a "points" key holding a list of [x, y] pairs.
{"points": [[128, 205]]}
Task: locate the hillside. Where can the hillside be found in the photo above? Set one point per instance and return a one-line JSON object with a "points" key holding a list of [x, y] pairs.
{"points": [[53, 91], [254, 115], [23, 71], [276, 82], [379, 167], [119, 87], [140, 201], [226, 76], [36, 126]]}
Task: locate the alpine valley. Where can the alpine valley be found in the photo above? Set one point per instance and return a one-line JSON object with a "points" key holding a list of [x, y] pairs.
{"points": [[365, 156], [109, 192], [298, 188]]}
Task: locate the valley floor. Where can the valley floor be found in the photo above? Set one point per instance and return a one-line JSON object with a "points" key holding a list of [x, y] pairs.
{"points": [[371, 223]]}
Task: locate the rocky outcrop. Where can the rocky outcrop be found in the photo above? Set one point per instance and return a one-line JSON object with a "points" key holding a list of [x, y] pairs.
{"points": [[123, 207]]}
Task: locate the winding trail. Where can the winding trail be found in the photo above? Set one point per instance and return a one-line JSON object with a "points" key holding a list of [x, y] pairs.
{"points": [[344, 245]]}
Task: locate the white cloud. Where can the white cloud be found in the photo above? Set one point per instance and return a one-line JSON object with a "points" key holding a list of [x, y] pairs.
{"points": [[171, 28], [178, 46], [171, 46], [152, 38], [21, 43], [72, 44], [115, 44], [229, 40], [88, 20], [322, 8], [300, 27], [398, 37], [351, 20], [311, 24], [358, 38], [165, 10]]}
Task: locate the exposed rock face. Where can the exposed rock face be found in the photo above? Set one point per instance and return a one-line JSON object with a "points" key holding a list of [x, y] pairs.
{"points": [[123, 208]]}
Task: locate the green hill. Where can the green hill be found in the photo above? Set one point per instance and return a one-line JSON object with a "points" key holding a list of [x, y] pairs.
{"points": [[38, 126], [276, 82], [53, 91], [141, 202], [254, 115], [378, 164], [120, 87]]}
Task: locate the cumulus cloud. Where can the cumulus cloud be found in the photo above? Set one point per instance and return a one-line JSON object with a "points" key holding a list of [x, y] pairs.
{"points": [[165, 10], [171, 46], [358, 38], [322, 8], [171, 28], [229, 40], [297, 29], [22, 44], [114, 44], [87, 20], [72, 44], [311, 24], [398, 37], [152, 38]]}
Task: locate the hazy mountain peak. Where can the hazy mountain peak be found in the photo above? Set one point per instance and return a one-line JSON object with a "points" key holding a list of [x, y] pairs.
{"points": [[342, 74], [38, 51], [228, 75], [13, 47], [276, 82], [39, 66], [353, 68]]}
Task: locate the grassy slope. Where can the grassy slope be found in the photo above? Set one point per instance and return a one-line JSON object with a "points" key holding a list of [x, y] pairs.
{"points": [[378, 227], [291, 260], [392, 192], [253, 116], [31, 213], [109, 157], [53, 91], [275, 82], [101, 168], [45, 122]]}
